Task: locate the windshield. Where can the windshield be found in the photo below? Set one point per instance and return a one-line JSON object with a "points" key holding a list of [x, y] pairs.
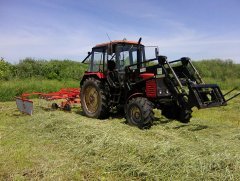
{"points": [[98, 58], [128, 55]]}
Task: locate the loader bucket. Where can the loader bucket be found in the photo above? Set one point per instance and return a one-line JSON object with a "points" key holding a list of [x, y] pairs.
{"points": [[205, 96]]}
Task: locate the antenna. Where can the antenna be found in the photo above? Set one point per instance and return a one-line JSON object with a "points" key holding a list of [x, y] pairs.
{"points": [[109, 37], [109, 45]]}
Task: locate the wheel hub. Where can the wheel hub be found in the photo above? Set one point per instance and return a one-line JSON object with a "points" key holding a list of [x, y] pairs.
{"points": [[91, 99], [135, 114]]}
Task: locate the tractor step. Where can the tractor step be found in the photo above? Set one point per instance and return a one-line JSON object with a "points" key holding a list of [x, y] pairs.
{"points": [[116, 96]]}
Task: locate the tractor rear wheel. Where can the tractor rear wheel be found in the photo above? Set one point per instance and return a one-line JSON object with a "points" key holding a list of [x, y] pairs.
{"points": [[139, 112], [94, 99]]}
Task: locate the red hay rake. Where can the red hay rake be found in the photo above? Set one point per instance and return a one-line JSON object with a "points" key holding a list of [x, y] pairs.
{"points": [[70, 96]]}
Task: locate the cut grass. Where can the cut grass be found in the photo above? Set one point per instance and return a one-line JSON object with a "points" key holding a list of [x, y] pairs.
{"points": [[55, 145]]}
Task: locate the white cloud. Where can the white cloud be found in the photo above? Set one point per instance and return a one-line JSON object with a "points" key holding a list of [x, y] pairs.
{"points": [[198, 47]]}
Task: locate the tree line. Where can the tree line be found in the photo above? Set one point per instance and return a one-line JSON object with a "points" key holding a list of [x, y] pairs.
{"points": [[55, 69], [31, 68]]}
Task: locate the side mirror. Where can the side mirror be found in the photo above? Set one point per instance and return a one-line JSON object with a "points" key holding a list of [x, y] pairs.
{"points": [[89, 53]]}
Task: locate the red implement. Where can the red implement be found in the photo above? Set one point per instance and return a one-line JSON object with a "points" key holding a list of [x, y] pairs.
{"points": [[71, 96]]}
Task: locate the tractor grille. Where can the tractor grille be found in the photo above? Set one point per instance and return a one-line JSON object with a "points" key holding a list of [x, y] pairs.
{"points": [[151, 88]]}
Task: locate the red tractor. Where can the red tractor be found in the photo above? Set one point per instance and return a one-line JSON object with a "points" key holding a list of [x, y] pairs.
{"points": [[120, 77]]}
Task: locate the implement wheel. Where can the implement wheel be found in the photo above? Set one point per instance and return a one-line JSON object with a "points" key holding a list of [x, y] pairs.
{"points": [[94, 99], [54, 106], [67, 107], [139, 113]]}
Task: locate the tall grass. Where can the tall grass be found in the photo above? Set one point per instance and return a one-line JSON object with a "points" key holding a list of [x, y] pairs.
{"points": [[31, 75], [10, 89], [224, 84]]}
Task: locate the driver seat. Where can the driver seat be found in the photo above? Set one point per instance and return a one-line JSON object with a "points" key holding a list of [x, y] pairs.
{"points": [[112, 74]]}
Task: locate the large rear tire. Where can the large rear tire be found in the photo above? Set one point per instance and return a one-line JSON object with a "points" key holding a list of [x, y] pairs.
{"points": [[94, 99], [139, 112]]}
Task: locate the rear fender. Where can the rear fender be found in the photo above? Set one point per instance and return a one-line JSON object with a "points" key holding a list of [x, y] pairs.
{"points": [[97, 75]]}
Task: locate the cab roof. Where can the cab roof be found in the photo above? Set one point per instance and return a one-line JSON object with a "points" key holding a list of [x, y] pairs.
{"points": [[117, 42]]}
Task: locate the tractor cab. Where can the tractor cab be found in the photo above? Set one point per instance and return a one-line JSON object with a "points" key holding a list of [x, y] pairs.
{"points": [[113, 58], [122, 53]]}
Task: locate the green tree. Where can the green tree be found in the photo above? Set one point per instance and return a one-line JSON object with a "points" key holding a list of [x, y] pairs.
{"points": [[5, 70]]}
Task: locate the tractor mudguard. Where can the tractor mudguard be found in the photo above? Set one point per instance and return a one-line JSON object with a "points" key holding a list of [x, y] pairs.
{"points": [[98, 75]]}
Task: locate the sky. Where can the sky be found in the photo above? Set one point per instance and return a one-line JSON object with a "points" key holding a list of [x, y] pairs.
{"points": [[68, 29]]}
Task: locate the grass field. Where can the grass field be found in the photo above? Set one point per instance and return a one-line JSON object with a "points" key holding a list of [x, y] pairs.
{"points": [[56, 145]]}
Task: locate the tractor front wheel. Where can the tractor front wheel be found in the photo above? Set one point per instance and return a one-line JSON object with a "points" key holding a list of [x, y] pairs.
{"points": [[184, 115], [139, 112], [94, 99], [175, 112]]}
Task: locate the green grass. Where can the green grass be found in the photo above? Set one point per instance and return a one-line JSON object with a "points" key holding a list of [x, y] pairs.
{"points": [[10, 89], [56, 145]]}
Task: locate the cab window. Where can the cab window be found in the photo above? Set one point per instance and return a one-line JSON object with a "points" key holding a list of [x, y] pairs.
{"points": [[97, 60], [127, 55]]}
